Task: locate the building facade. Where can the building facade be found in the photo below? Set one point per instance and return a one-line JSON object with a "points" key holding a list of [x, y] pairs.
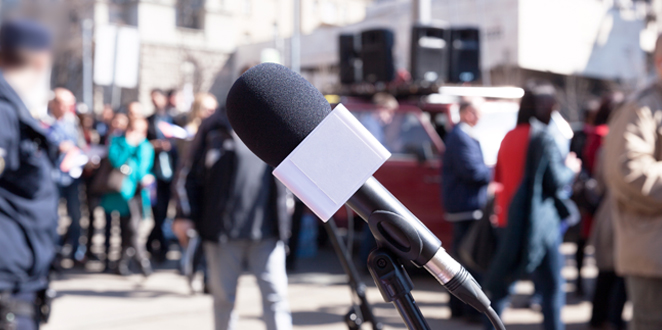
{"points": [[184, 44], [583, 46]]}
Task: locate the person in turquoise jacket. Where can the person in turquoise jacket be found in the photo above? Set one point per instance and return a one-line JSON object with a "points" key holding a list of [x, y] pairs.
{"points": [[134, 154]]}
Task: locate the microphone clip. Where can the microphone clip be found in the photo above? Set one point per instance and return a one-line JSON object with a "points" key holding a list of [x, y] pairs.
{"points": [[395, 286]]}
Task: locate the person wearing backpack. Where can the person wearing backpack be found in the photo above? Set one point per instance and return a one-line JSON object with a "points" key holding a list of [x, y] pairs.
{"points": [[241, 213]]}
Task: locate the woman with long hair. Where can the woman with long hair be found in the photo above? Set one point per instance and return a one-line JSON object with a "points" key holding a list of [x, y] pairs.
{"points": [[531, 235], [204, 105]]}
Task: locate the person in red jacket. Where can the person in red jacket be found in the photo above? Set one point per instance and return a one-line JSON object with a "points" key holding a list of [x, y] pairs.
{"points": [[510, 163], [533, 173]]}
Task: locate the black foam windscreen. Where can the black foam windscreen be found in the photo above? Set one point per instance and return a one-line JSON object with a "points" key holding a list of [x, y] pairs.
{"points": [[272, 109]]}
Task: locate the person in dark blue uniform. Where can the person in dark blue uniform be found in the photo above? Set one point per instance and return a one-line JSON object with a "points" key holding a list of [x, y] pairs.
{"points": [[28, 195]]}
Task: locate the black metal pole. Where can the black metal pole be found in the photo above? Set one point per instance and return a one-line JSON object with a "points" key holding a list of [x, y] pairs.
{"points": [[410, 313], [355, 283], [395, 286]]}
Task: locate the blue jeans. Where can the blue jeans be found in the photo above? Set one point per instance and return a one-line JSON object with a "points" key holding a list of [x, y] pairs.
{"points": [[549, 284], [266, 261], [71, 195]]}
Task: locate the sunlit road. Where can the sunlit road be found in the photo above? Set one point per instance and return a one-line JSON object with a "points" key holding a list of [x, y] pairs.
{"points": [[318, 296]]}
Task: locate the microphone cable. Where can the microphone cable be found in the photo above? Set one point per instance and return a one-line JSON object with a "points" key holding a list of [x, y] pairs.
{"points": [[466, 288], [495, 319]]}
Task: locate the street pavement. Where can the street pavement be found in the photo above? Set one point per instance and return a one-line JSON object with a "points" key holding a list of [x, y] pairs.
{"points": [[319, 299]]}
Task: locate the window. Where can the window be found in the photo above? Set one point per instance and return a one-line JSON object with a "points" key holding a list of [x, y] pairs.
{"points": [[190, 13], [401, 133]]}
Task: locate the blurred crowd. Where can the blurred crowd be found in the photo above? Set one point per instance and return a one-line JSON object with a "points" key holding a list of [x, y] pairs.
{"points": [[185, 170], [219, 204], [142, 152], [599, 187], [184, 166]]}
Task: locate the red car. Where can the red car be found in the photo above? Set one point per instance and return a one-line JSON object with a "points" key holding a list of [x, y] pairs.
{"points": [[412, 174]]}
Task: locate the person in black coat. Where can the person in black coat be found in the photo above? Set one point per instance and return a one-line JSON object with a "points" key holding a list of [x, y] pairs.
{"points": [[241, 213], [530, 243], [28, 195], [165, 164]]}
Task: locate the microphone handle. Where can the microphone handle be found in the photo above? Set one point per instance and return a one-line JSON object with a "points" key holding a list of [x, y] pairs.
{"points": [[393, 225], [398, 230]]}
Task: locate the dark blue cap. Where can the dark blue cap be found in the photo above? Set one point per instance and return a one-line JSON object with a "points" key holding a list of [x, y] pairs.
{"points": [[24, 34]]}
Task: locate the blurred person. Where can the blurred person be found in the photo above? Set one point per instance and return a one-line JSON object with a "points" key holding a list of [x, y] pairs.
{"points": [[88, 128], [134, 152], [134, 111], [530, 242], [577, 145], [610, 295], [28, 195], [117, 126], [159, 100], [376, 122], [66, 131], [633, 172], [165, 164], [298, 212], [510, 167], [174, 99], [511, 161], [241, 213], [465, 178], [102, 125], [204, 105], [595, 138], [92, 140], [578, 141]]}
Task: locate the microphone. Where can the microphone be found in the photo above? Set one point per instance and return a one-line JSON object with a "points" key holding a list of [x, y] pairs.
{"points": [[327, 158]]}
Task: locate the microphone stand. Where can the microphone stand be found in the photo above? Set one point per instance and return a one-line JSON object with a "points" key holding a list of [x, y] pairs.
{"points": [[353, 319], [400, 234]]}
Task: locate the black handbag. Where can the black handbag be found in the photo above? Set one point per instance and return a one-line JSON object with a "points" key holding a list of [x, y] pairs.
{"points": [[109, 179], [478, 247]]}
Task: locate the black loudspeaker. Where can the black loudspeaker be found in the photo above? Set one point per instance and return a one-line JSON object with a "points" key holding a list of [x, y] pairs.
{"points": [[348, 55], [429, 53], [464, 63], [377, 55]]}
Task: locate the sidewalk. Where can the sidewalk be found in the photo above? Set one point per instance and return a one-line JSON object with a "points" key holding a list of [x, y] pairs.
{"points": [[318, 296]]}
